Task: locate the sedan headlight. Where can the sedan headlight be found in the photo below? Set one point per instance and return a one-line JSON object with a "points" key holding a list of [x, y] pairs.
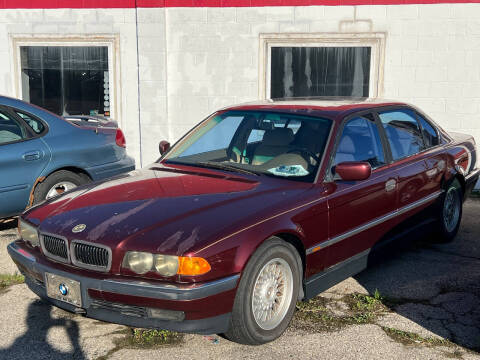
{"points": [[165, 265], [28, 233]]}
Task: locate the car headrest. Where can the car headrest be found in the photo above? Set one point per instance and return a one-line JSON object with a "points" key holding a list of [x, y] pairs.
{"points": [[346, 145], [278, 137]]}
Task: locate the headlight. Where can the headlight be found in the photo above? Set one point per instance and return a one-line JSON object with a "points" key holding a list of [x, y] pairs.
{"points": [[139, 262], [165, 265], [28, 232]]}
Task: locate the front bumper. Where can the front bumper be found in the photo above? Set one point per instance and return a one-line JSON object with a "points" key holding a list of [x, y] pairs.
{"points": [[130, 302]]}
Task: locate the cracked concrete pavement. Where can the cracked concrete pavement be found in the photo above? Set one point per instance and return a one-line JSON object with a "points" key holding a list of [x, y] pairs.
{"points": [[435, 288]]}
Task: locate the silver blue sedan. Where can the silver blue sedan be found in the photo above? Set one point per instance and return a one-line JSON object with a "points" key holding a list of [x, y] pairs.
{"points": [[43, 155]]}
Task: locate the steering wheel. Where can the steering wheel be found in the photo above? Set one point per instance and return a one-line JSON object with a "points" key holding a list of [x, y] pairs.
{"points": [[303, 151]]}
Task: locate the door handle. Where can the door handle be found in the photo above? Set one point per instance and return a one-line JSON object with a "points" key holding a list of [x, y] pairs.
{"points": [[31, 155], [390, 185]]}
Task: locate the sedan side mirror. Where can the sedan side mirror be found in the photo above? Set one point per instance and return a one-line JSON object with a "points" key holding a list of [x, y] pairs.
{"points": [[353, 170], [163, 146]]}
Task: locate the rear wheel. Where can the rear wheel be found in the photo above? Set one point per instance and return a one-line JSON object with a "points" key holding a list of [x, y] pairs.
{"points": [[57, 183], [267, 294], [449, 213]]}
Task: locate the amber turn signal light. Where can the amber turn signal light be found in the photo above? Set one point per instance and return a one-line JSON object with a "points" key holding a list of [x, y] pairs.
{"points": [[193, 266]]}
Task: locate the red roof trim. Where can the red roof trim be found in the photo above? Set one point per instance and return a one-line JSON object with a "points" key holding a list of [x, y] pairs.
{"points": [[111, 4]]}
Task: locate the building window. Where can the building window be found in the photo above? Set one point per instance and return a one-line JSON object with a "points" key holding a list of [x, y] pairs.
{"points": [[67, 80], [310, 65], [70, 76]]}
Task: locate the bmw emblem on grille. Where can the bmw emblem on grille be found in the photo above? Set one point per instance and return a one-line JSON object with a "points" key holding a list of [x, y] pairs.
{"points": [[63, 289], [79, 228]]}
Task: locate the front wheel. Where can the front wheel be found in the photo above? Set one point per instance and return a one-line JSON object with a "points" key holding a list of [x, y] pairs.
{"points": [[267, 294], [450, 213]]}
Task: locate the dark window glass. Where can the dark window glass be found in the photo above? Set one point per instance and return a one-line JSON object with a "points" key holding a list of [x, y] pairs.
{"points": [[430, 135], [320, 71], [360, 141], [403, 133], [10, 129], [67, 80], [35, 125]]}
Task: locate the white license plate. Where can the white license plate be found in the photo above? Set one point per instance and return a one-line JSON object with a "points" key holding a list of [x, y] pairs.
{"points": [[63, 289]]}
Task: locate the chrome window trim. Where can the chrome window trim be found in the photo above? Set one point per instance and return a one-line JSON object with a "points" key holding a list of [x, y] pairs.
{"points": [[80, 264], [49, 254], [373, 223]]}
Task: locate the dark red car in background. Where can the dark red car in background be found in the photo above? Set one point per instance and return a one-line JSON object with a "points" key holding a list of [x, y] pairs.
{"points": [[258, 206]]}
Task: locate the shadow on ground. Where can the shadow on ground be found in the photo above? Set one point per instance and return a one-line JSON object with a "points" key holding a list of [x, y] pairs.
{"points": [[437, 286], [34, 344], [8, 224]]}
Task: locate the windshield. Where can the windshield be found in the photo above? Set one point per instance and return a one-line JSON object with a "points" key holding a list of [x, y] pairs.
{"points": [[260, 142]]}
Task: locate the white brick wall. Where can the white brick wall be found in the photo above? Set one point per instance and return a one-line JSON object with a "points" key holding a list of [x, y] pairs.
{"points": [[194, 60]]}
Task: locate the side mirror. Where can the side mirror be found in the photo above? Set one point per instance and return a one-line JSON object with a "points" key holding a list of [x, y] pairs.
{"points": [[353, 170], [163, 146]]}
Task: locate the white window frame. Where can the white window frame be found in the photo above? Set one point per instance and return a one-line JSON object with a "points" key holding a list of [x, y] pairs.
{"points": [[110, 41], [376, 41]]}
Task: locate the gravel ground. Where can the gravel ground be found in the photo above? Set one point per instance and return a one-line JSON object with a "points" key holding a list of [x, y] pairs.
{"points": [[435, 293]]}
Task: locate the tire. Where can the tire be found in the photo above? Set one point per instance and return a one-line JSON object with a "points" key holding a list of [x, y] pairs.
{"points": [[62, 176], [249, 328], [449, 213]]}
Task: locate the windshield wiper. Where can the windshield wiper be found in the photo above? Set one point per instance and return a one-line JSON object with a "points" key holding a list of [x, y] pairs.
{"points": [[226, 167]]}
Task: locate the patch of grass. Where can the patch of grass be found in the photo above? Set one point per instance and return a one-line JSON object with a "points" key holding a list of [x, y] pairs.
{"points": [[360, 309], [142, 339], [410, 338], [9, 280]]}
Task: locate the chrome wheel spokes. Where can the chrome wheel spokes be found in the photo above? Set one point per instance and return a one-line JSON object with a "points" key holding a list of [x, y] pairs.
{"points": [[451, 209], [272, 293], [60, 188]]}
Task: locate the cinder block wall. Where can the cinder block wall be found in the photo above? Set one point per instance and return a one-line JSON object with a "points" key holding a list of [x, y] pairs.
{"points": [[191, 61]]}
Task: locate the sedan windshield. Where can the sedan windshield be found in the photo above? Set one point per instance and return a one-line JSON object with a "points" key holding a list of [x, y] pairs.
{"points": [[257, 142]]}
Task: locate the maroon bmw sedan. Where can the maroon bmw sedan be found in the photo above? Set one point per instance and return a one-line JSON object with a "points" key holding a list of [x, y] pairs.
{"points": [[257, 207]]}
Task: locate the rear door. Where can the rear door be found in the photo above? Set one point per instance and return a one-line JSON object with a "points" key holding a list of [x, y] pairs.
{"points": [[357, 209], [435, 157], [407, 147], [23, 156]]}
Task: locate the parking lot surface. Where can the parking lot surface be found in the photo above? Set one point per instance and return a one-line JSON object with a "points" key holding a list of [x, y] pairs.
{"points": [[419, 302]]}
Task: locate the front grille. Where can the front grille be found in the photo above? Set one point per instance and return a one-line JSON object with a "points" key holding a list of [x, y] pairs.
{"points": [[91, 256], [123, 309], [55, 247]]}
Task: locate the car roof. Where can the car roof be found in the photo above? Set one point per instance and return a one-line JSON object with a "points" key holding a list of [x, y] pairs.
{"points": [[330, 107]]}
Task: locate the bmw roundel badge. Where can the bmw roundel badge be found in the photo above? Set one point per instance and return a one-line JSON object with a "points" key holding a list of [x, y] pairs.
{"points": [[63, 289], [79, 228]]}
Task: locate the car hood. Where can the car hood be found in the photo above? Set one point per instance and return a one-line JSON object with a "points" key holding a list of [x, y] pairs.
{"points": [[172, 210]]}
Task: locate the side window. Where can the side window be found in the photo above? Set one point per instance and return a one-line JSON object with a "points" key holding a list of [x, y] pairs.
{"points": [[34, 124], [10, 129], [360, 141], [403, 133], [256, 135], [430, 135]]}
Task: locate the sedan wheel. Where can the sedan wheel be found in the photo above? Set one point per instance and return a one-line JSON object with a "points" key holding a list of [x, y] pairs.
{"points": [[267, 294], [449, 213], [451, 209]]}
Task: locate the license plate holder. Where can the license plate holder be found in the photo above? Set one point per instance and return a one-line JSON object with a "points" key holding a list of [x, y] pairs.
{"points": [[63, 289]]}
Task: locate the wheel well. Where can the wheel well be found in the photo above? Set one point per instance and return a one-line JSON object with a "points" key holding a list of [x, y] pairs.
{"points": [[297, 243], [42, 178], [73, 169]]}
